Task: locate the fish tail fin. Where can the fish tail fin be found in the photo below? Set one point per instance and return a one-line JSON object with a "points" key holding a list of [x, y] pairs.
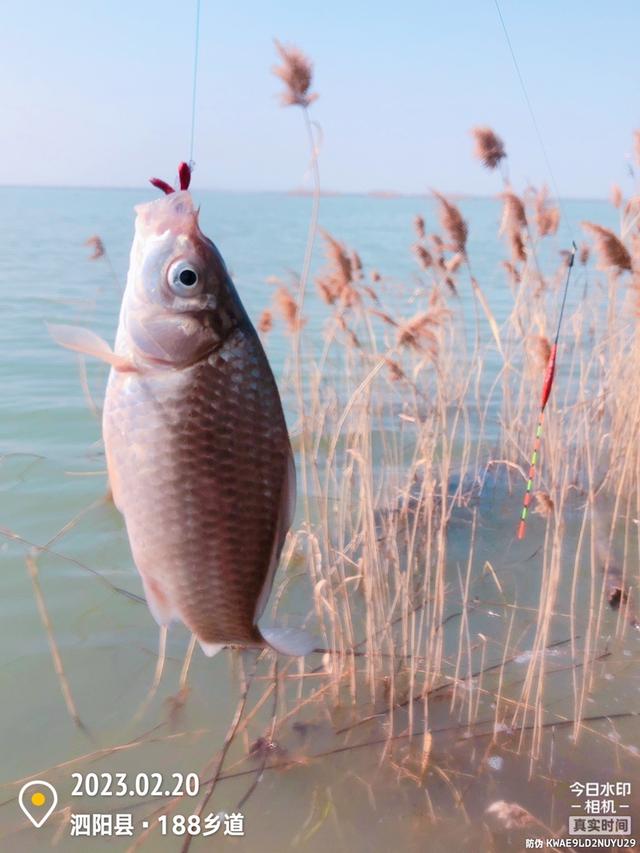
{"points": [[289, 641]]}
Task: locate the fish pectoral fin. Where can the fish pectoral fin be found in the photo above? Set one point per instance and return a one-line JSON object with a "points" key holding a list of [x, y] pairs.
{"points": [[210, 649], [289, 641], [88, 343]]}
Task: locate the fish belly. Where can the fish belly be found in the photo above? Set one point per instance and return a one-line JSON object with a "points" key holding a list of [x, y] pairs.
{"points": [[198, 463]]}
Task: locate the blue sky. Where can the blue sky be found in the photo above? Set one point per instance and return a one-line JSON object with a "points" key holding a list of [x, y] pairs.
{"points": [[99, 93]]}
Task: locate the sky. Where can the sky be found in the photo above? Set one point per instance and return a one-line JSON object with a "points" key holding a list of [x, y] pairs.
{"points": [[99, 93]]}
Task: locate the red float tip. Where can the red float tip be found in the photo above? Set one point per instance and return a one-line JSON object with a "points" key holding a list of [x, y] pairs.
{"points": [[162, 185], [522, 529], [549, 376], [184, 179], [184, 175]]}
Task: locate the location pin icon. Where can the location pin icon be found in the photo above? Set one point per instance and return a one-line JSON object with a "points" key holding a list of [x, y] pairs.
{"points": [[37, 800]]}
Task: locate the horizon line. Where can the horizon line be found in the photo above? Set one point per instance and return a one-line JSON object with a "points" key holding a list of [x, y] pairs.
{"points": [[296, 191]]}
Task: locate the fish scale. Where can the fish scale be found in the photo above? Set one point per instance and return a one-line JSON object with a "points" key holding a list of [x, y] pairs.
{"points": [[199, 506]]}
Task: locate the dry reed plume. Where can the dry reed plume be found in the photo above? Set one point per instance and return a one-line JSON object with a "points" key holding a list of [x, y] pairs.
{"points": [[547, 217], [424, 257], [611, 250], [98, 247], [337, 283], [296, 72], [489, 148], [541, 349], [616, 195], [407, 412], [453, 223], [288, 308], [421, 331], [514, 225], [265, 323]]}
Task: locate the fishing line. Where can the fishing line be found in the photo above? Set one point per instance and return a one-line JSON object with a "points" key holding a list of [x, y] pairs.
{"points": [[572, 258], [546, 391], [194, 88], [551, 362], [532, 114], [185, 169]]}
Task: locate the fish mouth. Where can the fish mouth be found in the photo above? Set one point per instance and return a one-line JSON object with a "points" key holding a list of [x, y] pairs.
{"points": [[174, 213]]}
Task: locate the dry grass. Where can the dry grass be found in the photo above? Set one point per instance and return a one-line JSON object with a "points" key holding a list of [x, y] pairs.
{"points": [[97, 245], [489, 148], [405, 411], [288, 308], [453, 223], [610, 249], [547, 217], [296, 72]]}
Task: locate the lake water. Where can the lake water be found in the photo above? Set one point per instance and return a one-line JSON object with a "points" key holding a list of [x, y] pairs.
{"points": [[51, 470]]}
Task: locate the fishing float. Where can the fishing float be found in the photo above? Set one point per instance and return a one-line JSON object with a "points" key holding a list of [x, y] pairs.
{"points": [[547, 385]]}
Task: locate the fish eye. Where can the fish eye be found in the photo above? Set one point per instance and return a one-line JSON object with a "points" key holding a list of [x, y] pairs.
{"points": [[183, 278]]}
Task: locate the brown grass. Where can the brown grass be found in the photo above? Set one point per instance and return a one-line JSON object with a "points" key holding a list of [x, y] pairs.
{"points": [[547, 217], [420, 332], [98, 247], [288, 308], [541, 349], [424, 258], [616, 195], [337, 283], [489, 148], [265, 323], [296, 72], [610, 249], [453, 223], [404, 412], [514, 217]]}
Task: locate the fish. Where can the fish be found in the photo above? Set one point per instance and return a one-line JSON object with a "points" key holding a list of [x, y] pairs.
{"points": [[198, 453]]}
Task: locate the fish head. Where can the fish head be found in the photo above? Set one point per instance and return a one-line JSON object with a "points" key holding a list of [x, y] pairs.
{"points": [[176, 307]]}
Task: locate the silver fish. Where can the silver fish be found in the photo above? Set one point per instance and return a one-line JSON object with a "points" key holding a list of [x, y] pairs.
{"points": [[198, 453]]}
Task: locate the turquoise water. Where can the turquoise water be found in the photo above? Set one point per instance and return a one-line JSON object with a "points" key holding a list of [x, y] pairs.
{"points": [[52, 466], [45, 276]]}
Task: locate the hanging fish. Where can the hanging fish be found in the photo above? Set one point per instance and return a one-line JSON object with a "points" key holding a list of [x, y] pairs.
{"points": [[198, 454]]}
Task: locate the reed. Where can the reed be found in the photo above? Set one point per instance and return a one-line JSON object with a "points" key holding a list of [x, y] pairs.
{"points": [[412, 411], [407, 415]]}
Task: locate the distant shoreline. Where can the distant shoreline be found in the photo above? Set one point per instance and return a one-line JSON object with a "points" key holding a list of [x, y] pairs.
{"points": [[302, 192]]}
